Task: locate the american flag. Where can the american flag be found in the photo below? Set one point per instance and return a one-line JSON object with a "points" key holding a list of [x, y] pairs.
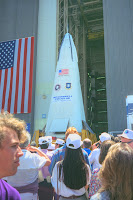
{"points": [[63, 71], [16, 73]]}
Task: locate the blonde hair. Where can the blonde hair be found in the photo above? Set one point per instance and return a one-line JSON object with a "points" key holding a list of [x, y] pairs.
{"points": [[116, 173], [26, 139], [70, 130], [7, 121]]}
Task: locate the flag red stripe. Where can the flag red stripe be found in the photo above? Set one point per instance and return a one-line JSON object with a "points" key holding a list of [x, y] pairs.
{"points": [[17, 77], [15, 88], [24, 75], [4, 89], [31, 75], [10, 91]]}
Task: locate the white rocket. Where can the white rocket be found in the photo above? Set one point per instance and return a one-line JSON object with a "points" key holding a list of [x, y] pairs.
{"points": [[66, 107]]}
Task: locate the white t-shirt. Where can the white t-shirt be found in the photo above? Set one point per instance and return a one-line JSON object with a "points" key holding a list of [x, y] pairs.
{"points": [[63, 190], [94, 159], [27, 172]]}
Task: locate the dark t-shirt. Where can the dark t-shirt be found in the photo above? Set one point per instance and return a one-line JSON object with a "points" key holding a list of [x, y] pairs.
{"points": [[7, 192]]}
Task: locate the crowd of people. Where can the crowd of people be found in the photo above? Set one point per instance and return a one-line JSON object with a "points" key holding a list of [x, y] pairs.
{"points": [[67, 169]]}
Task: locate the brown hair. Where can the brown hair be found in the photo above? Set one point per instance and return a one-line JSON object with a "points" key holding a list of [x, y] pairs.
{"points": [[116, 173], [104, 149], [87, 143], [7, 121], [70, 130]]}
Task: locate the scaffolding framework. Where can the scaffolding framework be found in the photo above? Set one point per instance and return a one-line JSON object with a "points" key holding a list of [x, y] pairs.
{"points": [[84, 21], [69, 16]]}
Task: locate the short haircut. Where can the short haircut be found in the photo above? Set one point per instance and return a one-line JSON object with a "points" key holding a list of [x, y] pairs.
{"points": [[71, 130], [87, 143], [117, 139], [27, 139], [44, 146], [7, 122]]}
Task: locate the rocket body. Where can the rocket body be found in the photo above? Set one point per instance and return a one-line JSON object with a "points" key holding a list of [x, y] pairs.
{"points": [[66, 107]]}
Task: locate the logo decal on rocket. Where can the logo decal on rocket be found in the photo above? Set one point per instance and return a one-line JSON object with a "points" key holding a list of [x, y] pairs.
{"points": [[68, 86], [63, 72], [62, 98], [57, 87]]}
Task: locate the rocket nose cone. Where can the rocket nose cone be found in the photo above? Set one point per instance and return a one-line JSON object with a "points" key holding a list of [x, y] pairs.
{"points": [[68, 51], [67, 35], [66, 40], [65, 53]]}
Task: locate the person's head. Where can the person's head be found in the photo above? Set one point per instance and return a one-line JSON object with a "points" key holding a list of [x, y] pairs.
{"points": [[59, 143], [117, 139], [26, 141], [74, 163], [127, 137], [11, 134], [70, 130], [116, 173], [33, 144], [104, 149], [43, 142], [104, 136], [51, 146], [87, 143], [112, 137]]}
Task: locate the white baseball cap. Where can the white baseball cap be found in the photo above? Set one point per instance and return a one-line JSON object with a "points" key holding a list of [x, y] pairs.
{"points": [[104, 136], [73, 141], [127, 133], [60, 142], [49, 138], [43, 140]]}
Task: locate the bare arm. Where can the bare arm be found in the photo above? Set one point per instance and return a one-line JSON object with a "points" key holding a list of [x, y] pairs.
{"points": [[86, 187], [96, 145], [40, 153]]}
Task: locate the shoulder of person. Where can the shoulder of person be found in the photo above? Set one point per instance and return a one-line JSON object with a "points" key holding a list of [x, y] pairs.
{"points": [[95, 171], [33, 156], [57, 165], [101, 196], [84, 152], [58, 150], [49, 154], [13, 193], [95, 151]]}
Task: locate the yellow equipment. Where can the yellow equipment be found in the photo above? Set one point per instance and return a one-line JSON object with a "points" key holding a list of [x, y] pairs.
{"points": [[36, 135], [84, 134]]}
